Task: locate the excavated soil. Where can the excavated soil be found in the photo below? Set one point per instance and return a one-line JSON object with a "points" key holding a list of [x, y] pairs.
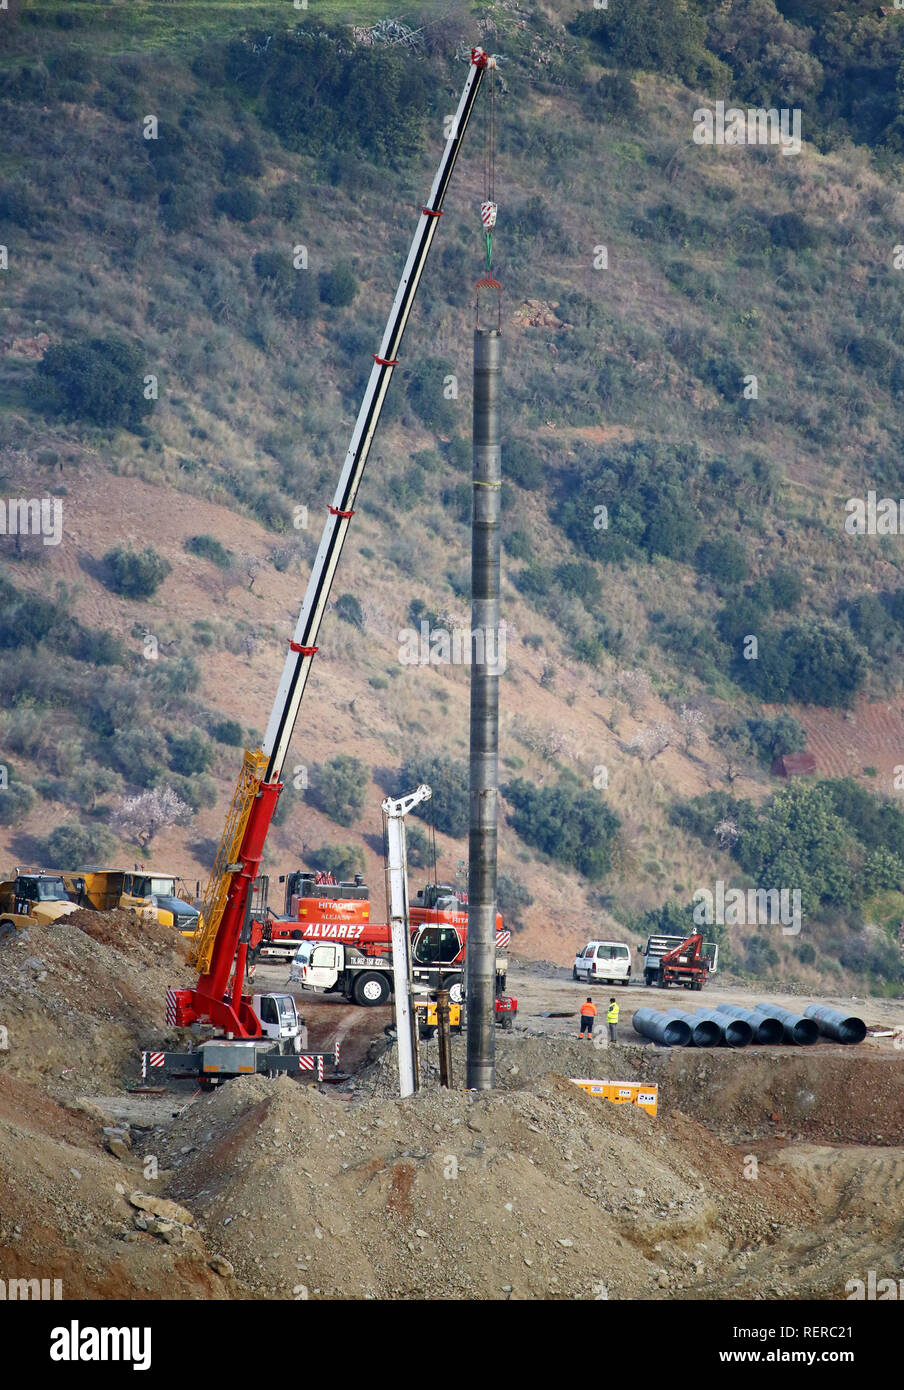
{"points": [[768, 1174]]}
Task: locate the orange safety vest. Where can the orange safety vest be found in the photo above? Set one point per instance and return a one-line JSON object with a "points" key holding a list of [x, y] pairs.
{"points": [[588, 1011]]}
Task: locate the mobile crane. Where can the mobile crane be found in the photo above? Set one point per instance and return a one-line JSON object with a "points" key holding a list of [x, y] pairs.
{"points": [[219, 949]]}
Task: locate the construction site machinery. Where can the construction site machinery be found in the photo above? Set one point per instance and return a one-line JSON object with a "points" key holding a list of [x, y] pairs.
{"points": [[139, 892], [30, 899], [219, 949], [676, 960]]}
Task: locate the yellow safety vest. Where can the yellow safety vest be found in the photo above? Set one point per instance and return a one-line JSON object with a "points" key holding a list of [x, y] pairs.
{"points": [[612, 1015]]}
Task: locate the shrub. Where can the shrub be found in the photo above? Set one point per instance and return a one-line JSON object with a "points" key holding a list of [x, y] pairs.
{"points": [[424, 389], [566, 823], [511, 899], [240, 204], [16, 800], [135, 574], [71, 846], [228, 731], [95, 379], [786, 587], [286, 202], [189, 753], [349, 610], [98, 648], [304, 299], [339, 788], [342, 861], [523, 465], [180, 207], [723, 559], [448, 779], [139, 754], [209, 549], [339, 286], [664, 36], [243, 158], [790, 230]]}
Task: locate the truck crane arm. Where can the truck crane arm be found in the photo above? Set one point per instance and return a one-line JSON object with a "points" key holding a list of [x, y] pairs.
{"points": [[225, 929]]}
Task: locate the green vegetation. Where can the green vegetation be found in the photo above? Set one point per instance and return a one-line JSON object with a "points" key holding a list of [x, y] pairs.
{"points": [[342, 861], [339, 788], [95, 379], [209, 548], [135, 574], [575, 827], [447, 809], [70, 846]]}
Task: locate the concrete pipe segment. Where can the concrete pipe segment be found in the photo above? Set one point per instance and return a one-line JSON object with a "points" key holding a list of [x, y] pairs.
{"points": [[832, 1023], [767, 1031]]}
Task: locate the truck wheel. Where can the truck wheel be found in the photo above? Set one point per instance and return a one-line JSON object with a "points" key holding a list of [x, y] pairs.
{"points": [[7, 929], [648, 977], [370, 989], [574, 974], [453, 984], [662, 982]]}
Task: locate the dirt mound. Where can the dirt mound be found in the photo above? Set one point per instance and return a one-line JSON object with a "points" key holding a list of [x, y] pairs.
{"points": [[539, 1192], [82, 996]]}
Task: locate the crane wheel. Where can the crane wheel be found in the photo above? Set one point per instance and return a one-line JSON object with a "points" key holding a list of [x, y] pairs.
{"points": [[370, 989]]}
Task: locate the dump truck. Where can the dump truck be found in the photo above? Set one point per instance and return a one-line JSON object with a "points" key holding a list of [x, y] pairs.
{"points": [[137, 891], [32, 898]]}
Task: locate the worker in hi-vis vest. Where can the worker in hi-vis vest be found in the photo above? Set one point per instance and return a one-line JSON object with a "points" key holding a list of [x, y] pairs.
{"points": [[612, 1019], [588, 1014]]}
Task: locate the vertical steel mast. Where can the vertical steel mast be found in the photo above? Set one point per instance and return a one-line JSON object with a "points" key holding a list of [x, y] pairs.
{"points": [[242, 845]]}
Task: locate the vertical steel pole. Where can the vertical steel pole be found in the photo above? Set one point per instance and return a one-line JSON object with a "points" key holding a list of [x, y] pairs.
{"points": [[485, 672]]}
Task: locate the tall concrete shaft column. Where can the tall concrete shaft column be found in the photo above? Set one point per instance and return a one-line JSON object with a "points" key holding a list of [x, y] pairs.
{"points": [[486, 661]]}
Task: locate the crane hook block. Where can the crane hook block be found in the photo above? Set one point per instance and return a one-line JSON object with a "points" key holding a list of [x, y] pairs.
{"points": [[488, 214]]}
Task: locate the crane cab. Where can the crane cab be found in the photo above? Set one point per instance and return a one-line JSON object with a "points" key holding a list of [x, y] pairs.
{"points": [[280, 1021]]}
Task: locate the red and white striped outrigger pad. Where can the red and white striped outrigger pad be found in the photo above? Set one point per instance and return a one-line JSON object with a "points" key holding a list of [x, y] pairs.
{"points": [[488, 214], [171, 1007], [503, 938], [311, 1064]]}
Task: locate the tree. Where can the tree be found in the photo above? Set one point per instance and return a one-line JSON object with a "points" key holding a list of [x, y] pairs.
{"points": [[16, 800], [512, 898], [139, 753], [723, 559], [241, 203], [135, 574], [339, 788], [71, 846], [448, 779], [228, 731], [691, 722], [339, 286], [342, 861], [570, 825], [141, 817], [95, 379], [189, 753], [799, 842]]}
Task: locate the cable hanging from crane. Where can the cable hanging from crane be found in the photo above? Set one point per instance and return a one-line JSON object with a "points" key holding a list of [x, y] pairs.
{"points": [[488, 208]]}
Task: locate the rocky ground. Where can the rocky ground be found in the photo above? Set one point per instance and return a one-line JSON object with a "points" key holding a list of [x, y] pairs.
{"points": [[768, 1173]]}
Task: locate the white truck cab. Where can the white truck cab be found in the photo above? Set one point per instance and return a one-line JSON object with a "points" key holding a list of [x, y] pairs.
{"points": [[280, 1022], [609, 962]]}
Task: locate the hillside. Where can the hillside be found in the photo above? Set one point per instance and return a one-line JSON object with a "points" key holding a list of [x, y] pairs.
{"points": [[628, 389]]}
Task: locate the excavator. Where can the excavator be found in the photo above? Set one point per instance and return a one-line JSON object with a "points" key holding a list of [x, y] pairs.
{"points": [[219, 948]]}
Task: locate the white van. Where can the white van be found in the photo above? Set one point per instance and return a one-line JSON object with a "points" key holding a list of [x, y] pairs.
{"points": [[604, 961]]}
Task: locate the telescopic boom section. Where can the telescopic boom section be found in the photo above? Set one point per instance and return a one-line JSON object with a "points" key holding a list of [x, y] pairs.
{"points": [[242, 846]]}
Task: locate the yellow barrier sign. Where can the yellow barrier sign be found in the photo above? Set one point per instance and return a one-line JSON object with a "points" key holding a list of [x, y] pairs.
{"points": [[621, 1092]]}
